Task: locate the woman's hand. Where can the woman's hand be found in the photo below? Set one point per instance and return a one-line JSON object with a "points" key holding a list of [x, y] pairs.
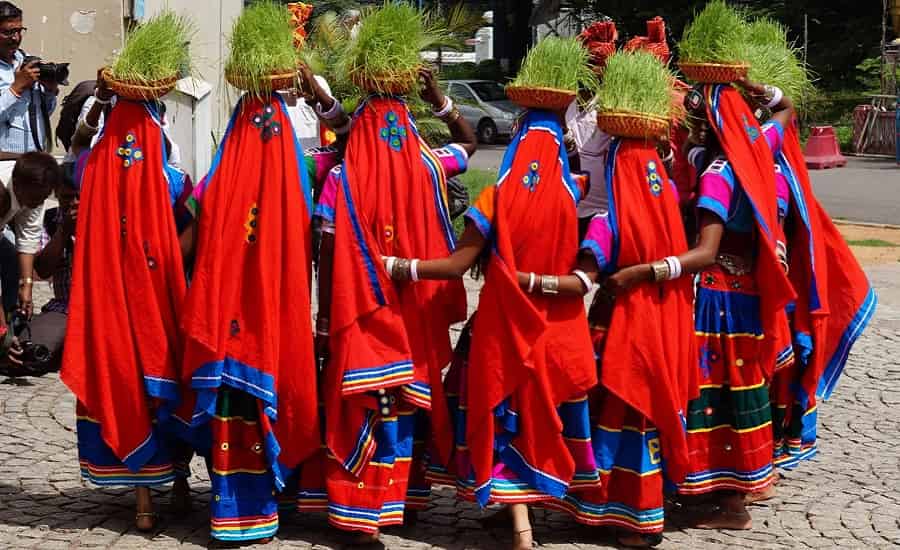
{"points": [[622, 280], [756, 91], [310, 89], [431, 92], [103, 93]]}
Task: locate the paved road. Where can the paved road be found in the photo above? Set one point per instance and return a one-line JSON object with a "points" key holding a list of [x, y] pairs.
{"points": [[866, 190], [848, 497]]}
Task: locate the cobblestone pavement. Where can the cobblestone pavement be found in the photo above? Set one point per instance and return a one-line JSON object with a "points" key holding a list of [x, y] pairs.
{"points": [[848, 497]]}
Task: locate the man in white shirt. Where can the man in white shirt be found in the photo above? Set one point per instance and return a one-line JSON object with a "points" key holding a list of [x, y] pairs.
{"points": [[22, 199], [593, 143], [304, 118]]}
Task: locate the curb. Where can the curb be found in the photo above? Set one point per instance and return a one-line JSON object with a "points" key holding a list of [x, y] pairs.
{"points": [[867, 224]]}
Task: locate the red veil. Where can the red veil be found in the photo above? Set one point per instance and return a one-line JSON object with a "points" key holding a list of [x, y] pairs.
{"points": [[650, 356], [835, 300], [529, 353], [742, 140], [247, 316], [391, 202], [122, 345]]}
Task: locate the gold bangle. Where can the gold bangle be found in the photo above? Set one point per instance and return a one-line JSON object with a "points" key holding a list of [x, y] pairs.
{"points": [[549, 284], [660, 271]]}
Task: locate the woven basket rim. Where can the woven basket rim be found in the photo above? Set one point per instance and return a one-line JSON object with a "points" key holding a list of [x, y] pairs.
{"points": [[239, 80], [657, 125], [540, 89], [148, 85], [401, 82], [730, 65], [632, 114]]}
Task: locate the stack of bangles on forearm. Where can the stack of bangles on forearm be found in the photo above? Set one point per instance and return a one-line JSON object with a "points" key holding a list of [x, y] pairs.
{"points": [[401, 269], [448, 113], [667, 269]]}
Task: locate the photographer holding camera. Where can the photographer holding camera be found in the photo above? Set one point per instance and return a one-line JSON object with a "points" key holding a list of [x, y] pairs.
{"points": [[34, 177], [28, 89]]}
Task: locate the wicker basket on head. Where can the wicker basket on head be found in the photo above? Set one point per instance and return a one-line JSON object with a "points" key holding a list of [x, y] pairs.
{"points": [[632, 125], [139, 91], [550, 99], [394, 84], [281, 80], [714, 73]]}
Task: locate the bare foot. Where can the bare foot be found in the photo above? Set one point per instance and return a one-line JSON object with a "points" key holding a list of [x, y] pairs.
{"points": [[759, 496], [144, 518], [522, 540], [724, 519]]}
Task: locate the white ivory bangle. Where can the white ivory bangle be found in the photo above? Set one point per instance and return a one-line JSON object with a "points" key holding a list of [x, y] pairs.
{"points": [[389, 264], [531, 279], [675, 268], [777, 96], [413, 270], [585, 280], [445, 110]]}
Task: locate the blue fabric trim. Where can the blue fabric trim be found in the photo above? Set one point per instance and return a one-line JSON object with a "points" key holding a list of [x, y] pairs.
{"points": [[324, 212], [537, 479], [220, 151], [835, 365], [593, 247], [815, 302], [715, 91], [803, 345], [438, 178], [714, 206], [610, 169], [360, 240], [741, 312], [481, 222], [209, 377], [778, 128], [462, 159], [161, 388], [137, 458], [305, 185]]}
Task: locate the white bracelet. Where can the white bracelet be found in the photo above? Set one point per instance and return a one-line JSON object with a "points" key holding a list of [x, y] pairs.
{"points": [[413, 271], [585, 280], [531, 279], [389, 264], [675, 268], [445, 110], [668, 157], [777, 96], [102, 101], [335, 111]]}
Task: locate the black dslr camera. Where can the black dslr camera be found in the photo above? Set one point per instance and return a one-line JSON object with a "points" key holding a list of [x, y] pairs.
{"points": [[36, 358], [50, 72]]}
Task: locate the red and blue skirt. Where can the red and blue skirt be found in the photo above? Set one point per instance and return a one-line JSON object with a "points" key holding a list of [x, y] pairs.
{"points": [[510, 483], [244, 503], [101, 467], [392, 481], [793, 419], [627, 453], [729, 427]]}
